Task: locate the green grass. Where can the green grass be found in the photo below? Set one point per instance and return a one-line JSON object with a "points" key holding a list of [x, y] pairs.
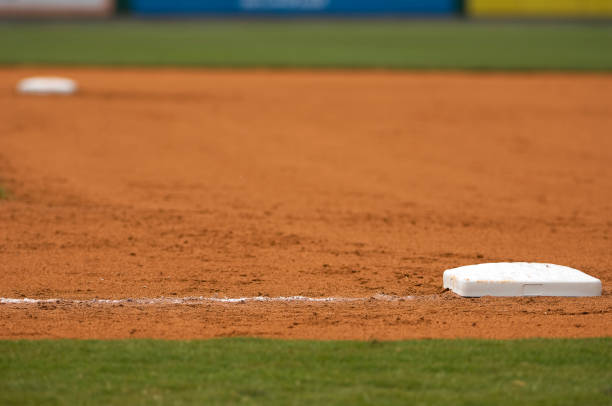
{"points": [[306, 44], [253, 371]]}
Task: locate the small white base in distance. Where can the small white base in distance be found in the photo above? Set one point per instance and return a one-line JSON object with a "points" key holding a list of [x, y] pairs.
{"points": [[520, 279], [46, 85]]}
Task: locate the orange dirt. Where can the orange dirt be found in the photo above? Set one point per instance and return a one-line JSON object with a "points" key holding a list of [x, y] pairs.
{"points": [[176, 183]]}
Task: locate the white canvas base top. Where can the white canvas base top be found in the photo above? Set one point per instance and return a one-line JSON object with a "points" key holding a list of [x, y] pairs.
{"points": [[47, 85], [520, 279]]}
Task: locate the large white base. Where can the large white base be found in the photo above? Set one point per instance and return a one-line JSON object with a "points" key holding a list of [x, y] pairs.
{"points": [[520, 279], [47, 85]]}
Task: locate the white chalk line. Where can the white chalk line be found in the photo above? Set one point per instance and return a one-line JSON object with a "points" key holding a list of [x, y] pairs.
{"points": [[204, 300]]}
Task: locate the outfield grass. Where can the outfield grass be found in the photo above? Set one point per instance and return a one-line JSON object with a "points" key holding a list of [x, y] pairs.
{"points": [[253, 371], [307, 44]]}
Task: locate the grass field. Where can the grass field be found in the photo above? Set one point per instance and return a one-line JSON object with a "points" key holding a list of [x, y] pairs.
{"points": [[434, 372], [254, 371], [321, 44]]}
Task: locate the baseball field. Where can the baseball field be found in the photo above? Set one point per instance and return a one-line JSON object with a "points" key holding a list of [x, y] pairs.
{"points": [[261, 211]]}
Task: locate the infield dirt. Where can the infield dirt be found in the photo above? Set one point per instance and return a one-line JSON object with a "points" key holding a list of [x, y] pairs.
{"points": [[178, 183]]}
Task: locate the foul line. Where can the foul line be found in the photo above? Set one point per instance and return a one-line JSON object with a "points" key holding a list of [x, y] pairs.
{"points": [[203, 300]]}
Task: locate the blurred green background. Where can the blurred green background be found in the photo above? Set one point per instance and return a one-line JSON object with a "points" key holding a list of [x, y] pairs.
{"points": [[348, 44]]}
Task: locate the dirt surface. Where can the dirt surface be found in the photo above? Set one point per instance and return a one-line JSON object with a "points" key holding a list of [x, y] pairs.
{"points": [[180, 183]]}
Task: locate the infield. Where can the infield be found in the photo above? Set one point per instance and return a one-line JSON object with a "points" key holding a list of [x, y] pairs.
{"points": [[315, 184]]}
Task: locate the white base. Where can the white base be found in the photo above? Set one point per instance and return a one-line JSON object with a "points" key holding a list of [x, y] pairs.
{"points": [[47, 85], [520, 279]]}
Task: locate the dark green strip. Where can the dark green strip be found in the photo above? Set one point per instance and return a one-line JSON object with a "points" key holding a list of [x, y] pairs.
{"points": [[389, 44]]}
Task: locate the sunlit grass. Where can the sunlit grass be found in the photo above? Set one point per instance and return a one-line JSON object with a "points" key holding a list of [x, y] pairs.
{"points": [[255, 371]]}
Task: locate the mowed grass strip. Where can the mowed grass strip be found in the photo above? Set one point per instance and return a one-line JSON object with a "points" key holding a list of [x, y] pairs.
{"points": [[389, 44], [256, 371]]}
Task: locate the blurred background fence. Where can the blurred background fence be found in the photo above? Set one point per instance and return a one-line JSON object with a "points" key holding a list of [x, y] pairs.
{"points": [[540, 8], [439, 8], [312, 7]]}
